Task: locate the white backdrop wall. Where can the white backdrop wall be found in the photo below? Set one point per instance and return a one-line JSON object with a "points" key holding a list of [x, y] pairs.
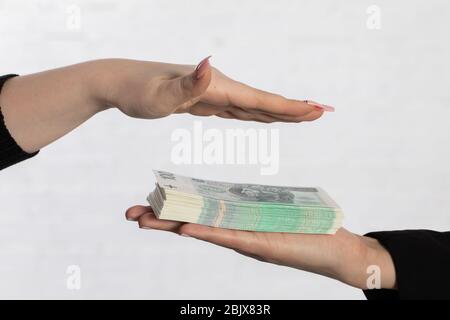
{"points": [[383, 155]]}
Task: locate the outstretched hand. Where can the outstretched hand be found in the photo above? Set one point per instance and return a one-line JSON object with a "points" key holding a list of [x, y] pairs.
{"points": [[42, 107], [155, 90], [344, 256]]}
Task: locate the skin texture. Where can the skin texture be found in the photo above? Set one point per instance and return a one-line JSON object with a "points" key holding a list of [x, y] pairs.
{"points": [[344, 256], [40, 108]]}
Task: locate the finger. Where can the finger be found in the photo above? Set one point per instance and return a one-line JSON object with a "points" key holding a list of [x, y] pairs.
{"points": [[244, 241], [229, 114], [133, 213], [320, 106], [183, 92], [149, 221], [313, 115], [267, 117], [261, 116], [247, 97], [226, 115], [204, 109], [247, 116]]}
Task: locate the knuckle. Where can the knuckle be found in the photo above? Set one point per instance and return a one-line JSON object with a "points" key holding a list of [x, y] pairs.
{"points": [[142, 221]]}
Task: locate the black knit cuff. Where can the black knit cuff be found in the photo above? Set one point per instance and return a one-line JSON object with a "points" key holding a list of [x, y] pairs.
{"points": [[422, 263], [10, 152]]}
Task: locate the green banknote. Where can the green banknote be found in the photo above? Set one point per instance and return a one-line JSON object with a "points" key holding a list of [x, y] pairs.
{"points": [[252, 207]]}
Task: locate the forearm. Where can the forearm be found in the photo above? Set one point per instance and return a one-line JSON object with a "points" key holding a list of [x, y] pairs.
{"points": [[42, 107], [378, 263], [356, 260]]}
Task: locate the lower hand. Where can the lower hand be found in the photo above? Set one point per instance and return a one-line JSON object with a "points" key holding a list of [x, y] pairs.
{"points": [[344, 256]]}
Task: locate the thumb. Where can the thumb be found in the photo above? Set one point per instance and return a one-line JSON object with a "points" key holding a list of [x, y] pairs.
{"points": [[188, 89]]}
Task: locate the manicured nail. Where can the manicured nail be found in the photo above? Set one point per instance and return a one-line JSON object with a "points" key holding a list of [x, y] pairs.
{"points": [[145, 227], [185, 235], [320, 106], [201, 68]]}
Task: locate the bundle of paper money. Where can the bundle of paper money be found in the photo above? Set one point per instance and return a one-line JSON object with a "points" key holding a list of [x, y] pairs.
{"points": [[240, 206]]}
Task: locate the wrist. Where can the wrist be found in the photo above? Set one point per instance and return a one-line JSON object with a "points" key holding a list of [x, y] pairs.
{"points": [[116, 82], [100, 83], [379, 263]]}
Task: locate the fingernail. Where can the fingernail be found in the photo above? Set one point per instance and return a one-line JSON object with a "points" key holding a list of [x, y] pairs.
{"points": [[131, 219], [185, 235], [145, 227], [320, 106], [201, 68]]}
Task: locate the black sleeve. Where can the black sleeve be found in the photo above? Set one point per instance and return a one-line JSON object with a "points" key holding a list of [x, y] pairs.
{"points": [[10, 152], [422, 264]]}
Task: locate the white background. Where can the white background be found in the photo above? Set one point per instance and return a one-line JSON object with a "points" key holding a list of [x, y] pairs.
{"points": [[383, 155]]}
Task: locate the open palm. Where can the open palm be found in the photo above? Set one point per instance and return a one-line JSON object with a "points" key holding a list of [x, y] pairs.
{"points": [[344, 256]]}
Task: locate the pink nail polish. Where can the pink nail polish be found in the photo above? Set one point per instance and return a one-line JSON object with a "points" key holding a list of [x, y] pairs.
{"points": [[201, 68], [320, 106]]}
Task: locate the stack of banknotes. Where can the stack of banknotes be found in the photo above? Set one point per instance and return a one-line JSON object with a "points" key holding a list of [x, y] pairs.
{"points": [[239, 206]]}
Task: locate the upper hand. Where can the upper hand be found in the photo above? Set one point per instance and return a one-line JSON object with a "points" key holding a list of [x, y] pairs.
{"points": [[154, 90]]}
